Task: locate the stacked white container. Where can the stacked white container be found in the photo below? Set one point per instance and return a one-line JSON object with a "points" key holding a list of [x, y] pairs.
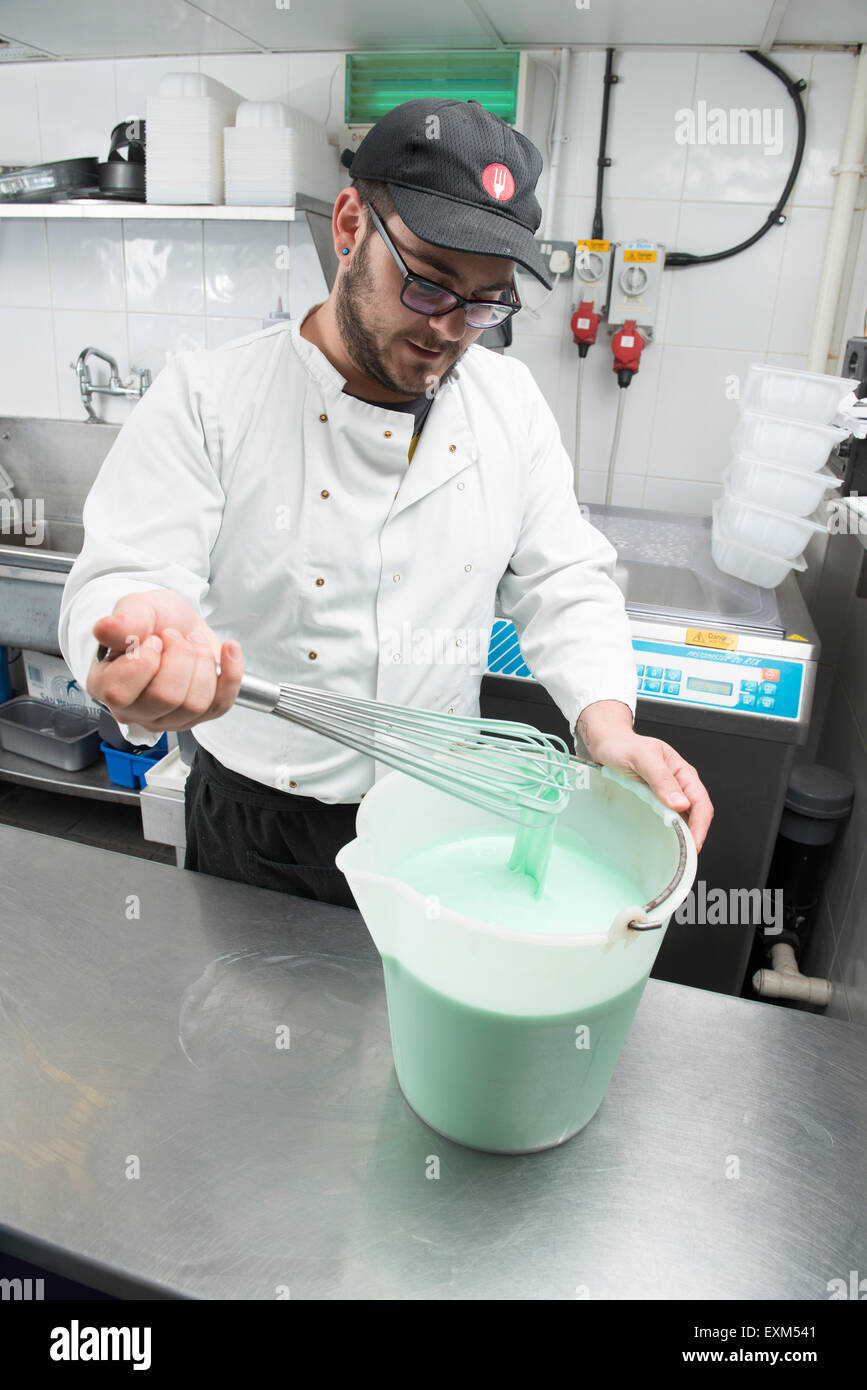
{"points": [[184, 151], [274, 152], [776, 478]]}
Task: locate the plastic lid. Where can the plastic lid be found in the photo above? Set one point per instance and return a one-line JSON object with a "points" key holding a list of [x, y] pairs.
{"points": [[819, 791], [811, 426], [743, 456]]}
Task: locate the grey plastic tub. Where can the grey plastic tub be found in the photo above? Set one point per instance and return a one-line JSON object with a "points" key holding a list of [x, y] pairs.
{"points": [[48, 733]]}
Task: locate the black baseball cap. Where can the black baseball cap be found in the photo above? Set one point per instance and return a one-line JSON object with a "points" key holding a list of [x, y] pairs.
{"points": [[459, 176]]}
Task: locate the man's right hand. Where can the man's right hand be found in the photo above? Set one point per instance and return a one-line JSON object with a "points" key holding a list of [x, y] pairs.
{"points": [[161, 670]]}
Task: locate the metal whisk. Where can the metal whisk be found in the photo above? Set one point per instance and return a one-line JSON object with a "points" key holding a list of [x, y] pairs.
{"points": [[509, 768]]}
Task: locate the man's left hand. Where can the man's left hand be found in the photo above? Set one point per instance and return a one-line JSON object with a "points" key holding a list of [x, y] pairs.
{"points": [[605, 729]]}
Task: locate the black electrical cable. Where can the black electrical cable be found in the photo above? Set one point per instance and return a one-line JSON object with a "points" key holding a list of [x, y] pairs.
{"points": [[602, 161], [677, 259]]}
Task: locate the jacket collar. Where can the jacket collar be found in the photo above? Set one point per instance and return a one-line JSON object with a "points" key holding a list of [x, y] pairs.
{"points": [[447, 445]]}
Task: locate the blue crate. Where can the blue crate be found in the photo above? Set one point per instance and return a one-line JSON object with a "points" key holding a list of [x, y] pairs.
{"points": [[128, 769]]}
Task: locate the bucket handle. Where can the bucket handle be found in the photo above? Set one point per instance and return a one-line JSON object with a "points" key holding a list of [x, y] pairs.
{"points": [[635, 924], [669, 816]]}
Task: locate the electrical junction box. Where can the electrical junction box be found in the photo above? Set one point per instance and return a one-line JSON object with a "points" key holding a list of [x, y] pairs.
{"points": [[591, 274], [636, 277]]}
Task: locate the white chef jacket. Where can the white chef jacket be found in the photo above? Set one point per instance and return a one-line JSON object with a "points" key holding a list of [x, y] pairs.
{"points": [[286, 512]]}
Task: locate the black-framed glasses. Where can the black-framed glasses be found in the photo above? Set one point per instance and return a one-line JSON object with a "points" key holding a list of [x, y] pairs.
{"points": [[425, 297]]}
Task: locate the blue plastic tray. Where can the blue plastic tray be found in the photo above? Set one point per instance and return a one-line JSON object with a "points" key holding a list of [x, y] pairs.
{"points": [[128, 769]]}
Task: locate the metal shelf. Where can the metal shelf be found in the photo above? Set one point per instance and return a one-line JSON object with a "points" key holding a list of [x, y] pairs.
{"points": [[91, 781], [83, 208]]}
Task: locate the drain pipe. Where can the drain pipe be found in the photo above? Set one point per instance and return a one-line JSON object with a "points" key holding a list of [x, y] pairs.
{"points": [[848, 171], [785, 980], [556, 143]]}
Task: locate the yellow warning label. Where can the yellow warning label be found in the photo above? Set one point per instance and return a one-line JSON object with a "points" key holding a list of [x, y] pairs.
{"points": [[593, 245], [639, 255], [706, 637]]}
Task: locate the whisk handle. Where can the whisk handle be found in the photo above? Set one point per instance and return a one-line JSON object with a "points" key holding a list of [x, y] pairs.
{"points": [[257, 693]]}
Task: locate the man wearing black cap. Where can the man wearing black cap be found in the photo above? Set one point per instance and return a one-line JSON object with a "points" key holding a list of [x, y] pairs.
{"points": [[348, 497]]}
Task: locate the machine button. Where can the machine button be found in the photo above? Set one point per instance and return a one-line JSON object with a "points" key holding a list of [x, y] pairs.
{"points": [[652, 685], [669, 688], [749, 687], [765, 702], [747, 701], [655, 672], [770, 675], [639, 670], [768, 689], [672, 674]]}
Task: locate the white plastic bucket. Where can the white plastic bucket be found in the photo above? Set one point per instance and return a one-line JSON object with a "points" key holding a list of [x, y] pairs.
{"points": [[792, 490], [506, 1040], [810, 396], [745, 561], [778, 534], [798, 444]]}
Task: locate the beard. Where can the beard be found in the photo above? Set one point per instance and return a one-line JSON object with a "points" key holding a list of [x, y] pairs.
{"points": [[362, 338]]}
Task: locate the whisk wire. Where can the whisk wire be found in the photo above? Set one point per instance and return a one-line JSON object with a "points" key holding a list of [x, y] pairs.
{"points": [[499, 765]]}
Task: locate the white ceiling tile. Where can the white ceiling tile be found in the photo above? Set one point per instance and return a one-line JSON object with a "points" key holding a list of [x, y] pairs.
{"points": [[346, 25], [834, 21], [118, 28], [686, 23]]}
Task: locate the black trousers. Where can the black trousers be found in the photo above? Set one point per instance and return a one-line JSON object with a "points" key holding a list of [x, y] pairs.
{"points": [[239, 828]]}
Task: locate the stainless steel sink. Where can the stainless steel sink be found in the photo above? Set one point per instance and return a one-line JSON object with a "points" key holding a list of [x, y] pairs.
{"points": [[681, 590], [65, 537], [53, 465]]}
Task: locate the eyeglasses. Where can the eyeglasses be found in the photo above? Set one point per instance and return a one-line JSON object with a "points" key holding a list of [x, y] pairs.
{"points": [[425, 297]]}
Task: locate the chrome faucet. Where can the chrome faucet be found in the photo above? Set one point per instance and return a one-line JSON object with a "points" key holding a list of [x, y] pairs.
{"points": [[115, 386]]}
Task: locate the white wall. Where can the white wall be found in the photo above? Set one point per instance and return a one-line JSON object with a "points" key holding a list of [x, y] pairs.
{"points": [[144, 290], [714, 320]]}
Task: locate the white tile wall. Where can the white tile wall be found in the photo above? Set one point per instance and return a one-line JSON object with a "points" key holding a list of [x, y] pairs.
{"points": [[151, 289], [164, 267]]}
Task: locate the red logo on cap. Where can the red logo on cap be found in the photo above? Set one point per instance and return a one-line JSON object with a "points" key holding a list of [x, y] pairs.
{"points": [[498, 181]]}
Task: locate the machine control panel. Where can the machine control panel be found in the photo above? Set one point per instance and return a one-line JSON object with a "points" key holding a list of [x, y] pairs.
{"points": [[687, 675], [722, 680]]}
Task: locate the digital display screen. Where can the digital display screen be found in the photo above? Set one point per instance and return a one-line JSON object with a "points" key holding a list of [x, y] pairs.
{"points": [[712, 687]]}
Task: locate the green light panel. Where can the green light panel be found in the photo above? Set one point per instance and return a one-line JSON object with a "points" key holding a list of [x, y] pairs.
{"points": [[377, 82]]}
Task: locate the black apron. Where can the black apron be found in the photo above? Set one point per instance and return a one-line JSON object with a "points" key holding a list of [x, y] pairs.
{"points": [[242, 829]]}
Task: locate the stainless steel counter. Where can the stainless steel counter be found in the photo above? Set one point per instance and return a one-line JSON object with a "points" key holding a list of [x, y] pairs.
{"points": [[155, 1139]]}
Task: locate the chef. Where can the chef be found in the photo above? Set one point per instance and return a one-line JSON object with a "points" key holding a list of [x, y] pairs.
{"points": [[340, 501]]}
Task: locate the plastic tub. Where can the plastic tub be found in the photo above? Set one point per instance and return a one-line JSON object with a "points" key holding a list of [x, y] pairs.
{"points": [[765, 528], [49, 733], [130, 769], [790, 443], [770, 485], [505, 1038], [745, 562], [798, 395]]}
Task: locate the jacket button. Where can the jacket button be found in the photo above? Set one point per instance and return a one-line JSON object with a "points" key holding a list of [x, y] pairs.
{"points": [[323, 418], [396, 578], [451, 711], [386, 434], [312, 656], [460, 487], [320, 582], [453, 448], [293, 784], [325, 492], [395, 656], [466, 567], [459, 642]]}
